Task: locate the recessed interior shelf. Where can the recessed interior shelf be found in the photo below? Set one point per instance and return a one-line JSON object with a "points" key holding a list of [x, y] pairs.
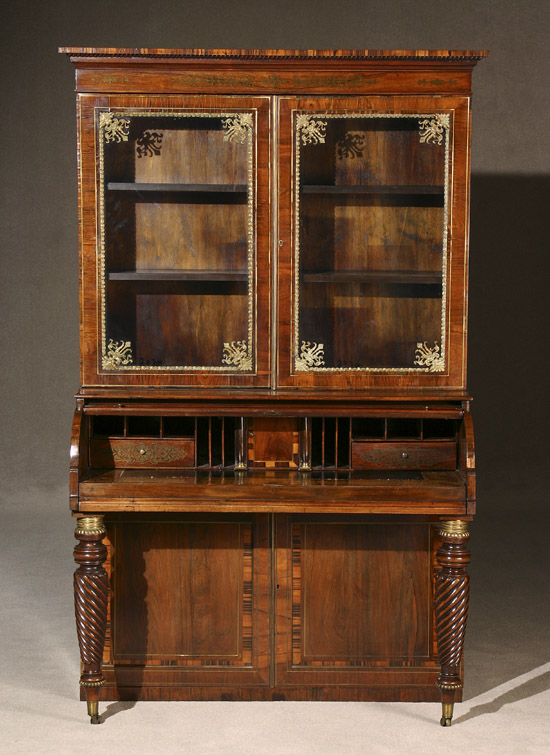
{"points": [[206, 276], [360, 189], [184, 188], [429, 277]]}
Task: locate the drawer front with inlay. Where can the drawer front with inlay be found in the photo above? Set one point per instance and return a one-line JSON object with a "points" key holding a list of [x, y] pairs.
{"points": [[141, 454], [368, 455]]}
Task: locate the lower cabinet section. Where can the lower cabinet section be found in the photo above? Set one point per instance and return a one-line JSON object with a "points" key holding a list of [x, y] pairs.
{"points": [[259, 606]]}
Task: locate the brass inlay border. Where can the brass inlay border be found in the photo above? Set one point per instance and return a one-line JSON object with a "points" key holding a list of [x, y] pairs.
{"points": [[248, 125], [434, 121]]}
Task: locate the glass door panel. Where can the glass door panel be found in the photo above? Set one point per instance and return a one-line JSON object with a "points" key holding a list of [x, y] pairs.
{"points": [[370, 241], [177, 240]]}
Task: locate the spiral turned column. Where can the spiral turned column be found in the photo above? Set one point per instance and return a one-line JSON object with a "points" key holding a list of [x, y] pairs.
{"points": [[452, 591], [90, 602]]}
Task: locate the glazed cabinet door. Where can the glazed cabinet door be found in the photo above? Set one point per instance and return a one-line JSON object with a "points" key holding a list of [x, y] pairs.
{"points": [[175, 256], [372, 250]]}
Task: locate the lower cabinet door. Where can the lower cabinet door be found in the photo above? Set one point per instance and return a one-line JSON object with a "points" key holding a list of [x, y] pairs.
{"points": [[354, 604], [190, 603]]}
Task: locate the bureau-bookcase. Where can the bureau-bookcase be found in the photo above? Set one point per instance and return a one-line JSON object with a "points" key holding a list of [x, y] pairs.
{"points": [[272, 454]]}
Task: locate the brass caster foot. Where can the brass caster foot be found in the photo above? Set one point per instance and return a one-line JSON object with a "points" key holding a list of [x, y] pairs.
{"points": [[94, 713], [446, 714]]}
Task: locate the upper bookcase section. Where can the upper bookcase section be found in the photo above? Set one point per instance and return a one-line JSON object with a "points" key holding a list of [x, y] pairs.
{"points": [[179, 71]]}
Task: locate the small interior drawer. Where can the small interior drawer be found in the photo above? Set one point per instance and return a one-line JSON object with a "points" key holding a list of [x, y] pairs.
{"points": [[412, 455], [142, 453]]}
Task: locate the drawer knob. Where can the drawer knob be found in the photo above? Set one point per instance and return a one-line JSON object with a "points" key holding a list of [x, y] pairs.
{"points": [[143, 451], [404, 455]]}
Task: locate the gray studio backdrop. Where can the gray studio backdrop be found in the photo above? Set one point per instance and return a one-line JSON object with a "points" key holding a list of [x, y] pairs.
{"points": [[510, 190]]}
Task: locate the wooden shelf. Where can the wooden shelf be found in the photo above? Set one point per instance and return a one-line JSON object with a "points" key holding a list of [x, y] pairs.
{"points": [[181, 188], [357, 189], [204, 276], [424, 277]]}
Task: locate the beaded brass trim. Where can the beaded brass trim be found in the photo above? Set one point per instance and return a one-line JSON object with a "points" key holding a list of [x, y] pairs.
{"points": [[93, 684], [454, 528], [450, 685]]}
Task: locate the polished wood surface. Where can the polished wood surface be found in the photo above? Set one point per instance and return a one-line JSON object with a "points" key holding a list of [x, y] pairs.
{"points": [[272, 531]]}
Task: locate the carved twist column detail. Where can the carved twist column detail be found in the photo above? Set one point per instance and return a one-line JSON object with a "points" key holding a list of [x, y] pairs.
{"points": [[90, 601], [452, 591]]}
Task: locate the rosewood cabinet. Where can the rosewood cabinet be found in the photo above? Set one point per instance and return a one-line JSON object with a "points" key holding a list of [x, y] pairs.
{"points": [[272, 455]]}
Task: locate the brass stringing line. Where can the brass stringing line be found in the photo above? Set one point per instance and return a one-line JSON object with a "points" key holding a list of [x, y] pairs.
{"points": [[297, 242], [166, 112]]}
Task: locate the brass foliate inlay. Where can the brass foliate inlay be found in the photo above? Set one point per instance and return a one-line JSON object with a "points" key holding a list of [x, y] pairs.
{"points": [[432, 130], [236, 353], [115, 128], [311, 129], [429, 356], [311, 355], [119, 353], [238, 127], [152, 453]]}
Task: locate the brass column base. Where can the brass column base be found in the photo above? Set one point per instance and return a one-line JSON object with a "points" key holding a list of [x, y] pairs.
{"points": [[446, 714]]}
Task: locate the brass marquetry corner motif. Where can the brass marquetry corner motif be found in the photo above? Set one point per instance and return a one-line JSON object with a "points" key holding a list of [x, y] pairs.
{"points": [[238, 127], [433, 129], [149, 143], [430, 357], [119, 354], [350, 145], [311, 355], [115, 128], [236, 354], [311, 129]]}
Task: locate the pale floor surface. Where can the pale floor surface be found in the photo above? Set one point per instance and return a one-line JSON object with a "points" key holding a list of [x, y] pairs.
{"points": [[507, 695]]}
